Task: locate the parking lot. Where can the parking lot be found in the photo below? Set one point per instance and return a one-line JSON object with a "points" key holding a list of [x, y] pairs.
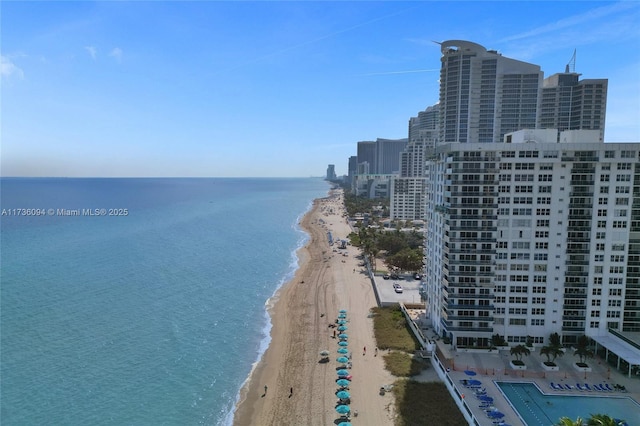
{"points": [[410, 290]]}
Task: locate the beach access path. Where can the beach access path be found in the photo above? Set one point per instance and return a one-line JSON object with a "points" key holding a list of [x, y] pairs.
{"points": [[325, 282]]}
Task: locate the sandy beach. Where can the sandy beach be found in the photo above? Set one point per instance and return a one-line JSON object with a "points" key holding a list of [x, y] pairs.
{"points": [[325, 282]]}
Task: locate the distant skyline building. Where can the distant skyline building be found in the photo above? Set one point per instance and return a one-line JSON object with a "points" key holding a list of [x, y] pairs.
{"points": [[407, 192], [572, 104], [331, 172], [388, 155], [366, 153], [484, 95]]}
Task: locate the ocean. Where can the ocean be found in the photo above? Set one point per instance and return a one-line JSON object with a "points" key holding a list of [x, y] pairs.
{"points": [[140, 301]]}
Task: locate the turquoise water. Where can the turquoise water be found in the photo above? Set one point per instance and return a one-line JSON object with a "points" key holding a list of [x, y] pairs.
{"points": [[535, 408], [151, 318]]}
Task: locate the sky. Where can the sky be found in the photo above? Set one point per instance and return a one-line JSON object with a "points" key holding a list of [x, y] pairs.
{"points": [[268, 88]]}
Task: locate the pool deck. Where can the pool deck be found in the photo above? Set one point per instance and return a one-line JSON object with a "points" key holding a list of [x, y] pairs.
{"points": [[494, 366]]}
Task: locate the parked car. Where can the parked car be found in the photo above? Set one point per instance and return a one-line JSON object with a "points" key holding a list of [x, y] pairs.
{"points": [[397, 288], [417, 276], [395, 277], [386, 276]]}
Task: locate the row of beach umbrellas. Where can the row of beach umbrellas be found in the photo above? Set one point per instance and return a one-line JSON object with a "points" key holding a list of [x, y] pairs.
{"points": [[343, 374]]}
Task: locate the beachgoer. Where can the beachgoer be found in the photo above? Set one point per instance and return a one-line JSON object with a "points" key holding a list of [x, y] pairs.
{"points": [[364, 350], [376, 352], [265, 389], [291, 391]]}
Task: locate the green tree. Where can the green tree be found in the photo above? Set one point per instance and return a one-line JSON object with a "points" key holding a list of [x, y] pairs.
{"points": [[553, 349], [604, 420], [405, 260], [594, 420], [566, 421], [582, 349], [498, 340], [519, 351], [551, 352]]}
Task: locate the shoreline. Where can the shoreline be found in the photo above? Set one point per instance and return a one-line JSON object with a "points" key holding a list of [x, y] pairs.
{"points": [[301, 390]]}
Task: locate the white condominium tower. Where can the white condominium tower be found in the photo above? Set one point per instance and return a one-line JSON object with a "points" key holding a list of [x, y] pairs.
{"points": [[533, 237], [572, 104], [484, 95]]}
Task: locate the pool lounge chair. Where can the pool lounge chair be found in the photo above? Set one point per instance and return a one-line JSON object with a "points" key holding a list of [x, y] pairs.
{"points": [[598, 388], [556, 387], [606, 387], [580, 388], [568, 387]]}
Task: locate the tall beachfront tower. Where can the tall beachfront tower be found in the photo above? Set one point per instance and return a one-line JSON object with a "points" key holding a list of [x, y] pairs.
{"points": [[533, 237], [484, 95], [572, 104], [331, 172], [407, 191]]}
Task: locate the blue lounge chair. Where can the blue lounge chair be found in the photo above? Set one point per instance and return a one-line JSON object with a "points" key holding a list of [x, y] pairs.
{"points": [[607, 387], [556, 387], [568, 387], [598, 388], [580, 388]]}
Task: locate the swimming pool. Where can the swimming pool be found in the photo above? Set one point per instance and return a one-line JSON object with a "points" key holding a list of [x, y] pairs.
{"points": [[536, 408]]}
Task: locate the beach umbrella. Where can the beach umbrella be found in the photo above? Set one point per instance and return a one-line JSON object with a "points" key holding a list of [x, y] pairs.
{"points": [[342, 328], [474, 382], [485, 398], [343, 359], [343, 395], [343, 351], [343, 335], [343, 311], [344, 424], [342, 322], [343, 343], [342, 372], [343, 409], [325, 353], [342, 316], [343, 383], [469, 373]]}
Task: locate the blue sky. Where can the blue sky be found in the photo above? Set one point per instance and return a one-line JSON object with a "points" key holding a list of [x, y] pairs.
{"points": [[228, 89]]}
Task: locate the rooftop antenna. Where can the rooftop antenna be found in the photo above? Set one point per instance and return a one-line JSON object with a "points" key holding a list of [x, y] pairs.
{"points": [[571, 66]]}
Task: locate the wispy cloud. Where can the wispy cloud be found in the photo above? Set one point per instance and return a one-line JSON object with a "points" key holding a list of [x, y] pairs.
{"points": [[116, 53], [573, 21], [93, 51], [9, 69]]}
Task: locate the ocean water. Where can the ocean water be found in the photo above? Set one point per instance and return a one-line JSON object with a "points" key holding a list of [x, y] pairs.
{"points": [[150, 318]]}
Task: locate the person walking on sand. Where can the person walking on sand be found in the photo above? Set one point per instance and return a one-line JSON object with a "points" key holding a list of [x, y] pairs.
{"points": [[265, 389], [376, 352], [291, 392], [364, 351]]}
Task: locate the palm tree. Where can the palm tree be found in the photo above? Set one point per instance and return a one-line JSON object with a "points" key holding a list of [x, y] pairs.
{"points": [[604, 420], [594, 420], [566, 421], [519, 351], [582, 349], [551, 352]]}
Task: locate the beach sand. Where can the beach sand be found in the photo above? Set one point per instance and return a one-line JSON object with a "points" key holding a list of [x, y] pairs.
{"points": [[325, 282]]}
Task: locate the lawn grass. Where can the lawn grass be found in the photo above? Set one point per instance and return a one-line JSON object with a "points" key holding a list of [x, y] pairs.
{"points": [[430, 403], [401, 364], [391, 330]]}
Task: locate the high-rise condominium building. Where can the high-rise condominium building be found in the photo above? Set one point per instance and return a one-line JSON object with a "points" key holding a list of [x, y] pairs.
{"points": [[484, 95], [572, 104], [526, 239], [407, 191]]}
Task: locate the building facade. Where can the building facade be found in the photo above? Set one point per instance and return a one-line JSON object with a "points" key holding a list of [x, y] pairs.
{"points": [[484, 95], [527, 239]]}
